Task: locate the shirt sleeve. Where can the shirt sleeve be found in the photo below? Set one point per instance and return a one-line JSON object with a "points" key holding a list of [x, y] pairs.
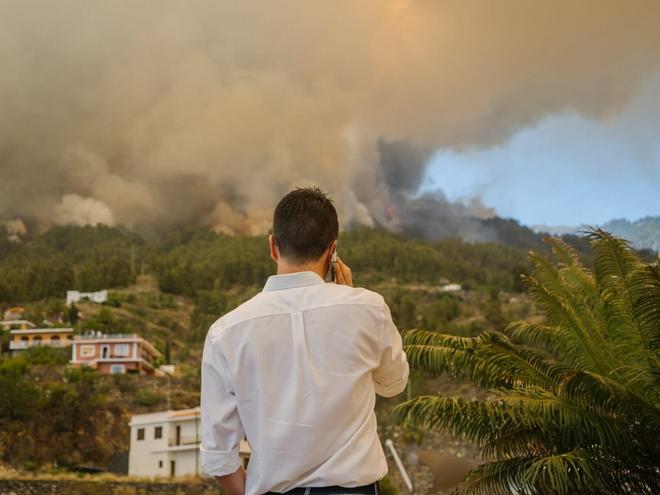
{"points": [[221, 427], [391, 376]]}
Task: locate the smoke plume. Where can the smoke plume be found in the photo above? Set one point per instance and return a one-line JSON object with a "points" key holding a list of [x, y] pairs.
{"points": [[201, 112]]}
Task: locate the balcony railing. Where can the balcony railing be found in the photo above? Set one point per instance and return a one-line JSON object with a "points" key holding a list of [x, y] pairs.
{"points": [[26, 344], [187, 440], [18, 345]]}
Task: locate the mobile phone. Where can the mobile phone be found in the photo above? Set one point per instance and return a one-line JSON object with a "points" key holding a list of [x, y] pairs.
{"points": [[331, 275]]}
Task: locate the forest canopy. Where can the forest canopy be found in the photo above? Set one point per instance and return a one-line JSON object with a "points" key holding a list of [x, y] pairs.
{"points": [[188, 262]]}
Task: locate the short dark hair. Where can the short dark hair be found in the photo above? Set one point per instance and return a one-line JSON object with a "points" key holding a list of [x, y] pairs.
{"points": [[304, 224]]}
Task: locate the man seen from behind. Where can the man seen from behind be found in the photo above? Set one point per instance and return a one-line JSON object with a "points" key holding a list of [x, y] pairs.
{"points": [[296, 368]]}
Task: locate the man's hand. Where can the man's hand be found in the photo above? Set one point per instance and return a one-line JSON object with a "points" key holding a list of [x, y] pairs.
{"points": [[344, 274], [233, 484]]}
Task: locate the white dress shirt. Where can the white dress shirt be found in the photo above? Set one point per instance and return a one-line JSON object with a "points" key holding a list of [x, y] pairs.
{"points": [[295, 370]]}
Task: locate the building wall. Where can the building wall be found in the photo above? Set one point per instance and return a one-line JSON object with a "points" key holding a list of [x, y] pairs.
{"points": [[87, 351], [187, 462], [142, 461], [121, 352], [153, 457], [129, 367], [65, 338], [21, 342], [73, 296], [190, 432]]}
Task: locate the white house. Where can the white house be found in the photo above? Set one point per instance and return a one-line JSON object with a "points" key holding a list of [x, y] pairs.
{"points": [[451, 288], [166, 443], [73, 296]]}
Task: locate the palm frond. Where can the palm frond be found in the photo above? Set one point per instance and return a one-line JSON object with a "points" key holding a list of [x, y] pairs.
{"points": [[614, 256], [499, 478], [587, 389], [564, 424], [584, 471], [644, 287], [563, 250], [567, 472], [475, 421], [574, 403], [547, 338], [586, 347], [491, 360], [426, 337]]}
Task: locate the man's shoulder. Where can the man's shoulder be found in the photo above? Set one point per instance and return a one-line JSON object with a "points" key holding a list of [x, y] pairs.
{"points": [[343, 294], [251, 308], [264, 304]]}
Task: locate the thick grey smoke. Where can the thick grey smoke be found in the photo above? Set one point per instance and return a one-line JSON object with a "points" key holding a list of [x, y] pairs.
{"points": [[206, 112]]}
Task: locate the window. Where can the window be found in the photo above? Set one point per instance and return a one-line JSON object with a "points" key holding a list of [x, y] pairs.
{"points": [[140, 434], [160, 464], [55, 340], [158, 432], [117, 369], [122, 350], [87, 350]]}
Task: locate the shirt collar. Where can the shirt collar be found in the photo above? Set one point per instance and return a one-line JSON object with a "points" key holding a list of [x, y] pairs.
{"points": [[292, 280]]}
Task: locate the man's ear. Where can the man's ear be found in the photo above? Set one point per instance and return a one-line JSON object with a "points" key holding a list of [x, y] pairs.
{"points": [[331, 248], [272, 245]]}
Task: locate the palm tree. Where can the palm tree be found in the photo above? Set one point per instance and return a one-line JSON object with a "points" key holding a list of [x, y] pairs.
{"points": [[575, 402]]}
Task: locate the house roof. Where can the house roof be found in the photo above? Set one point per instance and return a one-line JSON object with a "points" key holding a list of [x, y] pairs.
{"points": [[41, 330], [115, 338], [164, 416], [17, 322]]}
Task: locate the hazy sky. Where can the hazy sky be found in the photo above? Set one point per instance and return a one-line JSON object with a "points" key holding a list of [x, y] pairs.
{"points": [[567, 169], [205, 112]]}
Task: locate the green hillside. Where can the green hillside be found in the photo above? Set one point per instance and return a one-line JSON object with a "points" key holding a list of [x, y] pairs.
{"points": [[171, 289]]}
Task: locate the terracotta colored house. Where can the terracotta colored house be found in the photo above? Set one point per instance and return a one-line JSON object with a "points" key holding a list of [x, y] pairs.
{"points": [[51, 337], [114, 354]]}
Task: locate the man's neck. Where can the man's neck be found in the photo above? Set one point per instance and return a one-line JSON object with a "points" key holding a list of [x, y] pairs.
{"points": [[284, 268]]}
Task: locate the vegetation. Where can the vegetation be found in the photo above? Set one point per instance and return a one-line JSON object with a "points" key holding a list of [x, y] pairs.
{"points": [[186, 263], [82, 420], [575, 401], [170, 289], [51, 413], [84, 258]]}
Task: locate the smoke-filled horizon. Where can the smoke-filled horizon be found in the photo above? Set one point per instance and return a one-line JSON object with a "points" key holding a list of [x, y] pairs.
{"points": [[204, 113]]}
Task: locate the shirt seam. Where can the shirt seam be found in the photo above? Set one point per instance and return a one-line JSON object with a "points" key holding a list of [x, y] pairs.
{"points": [[383, 329], [222, 330]]}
